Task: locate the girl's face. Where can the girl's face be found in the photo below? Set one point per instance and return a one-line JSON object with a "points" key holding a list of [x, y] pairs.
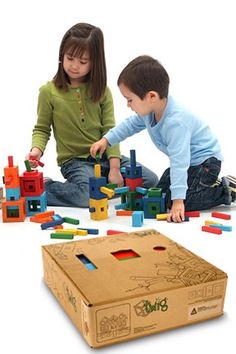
{"points": [[77, 67]]}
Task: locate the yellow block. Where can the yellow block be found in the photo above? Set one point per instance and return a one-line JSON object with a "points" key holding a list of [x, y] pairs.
{"points": [[97, 170], [161, 216], [210, 222], [100, 207], [81, 232], [109, 192], [72, 231]]}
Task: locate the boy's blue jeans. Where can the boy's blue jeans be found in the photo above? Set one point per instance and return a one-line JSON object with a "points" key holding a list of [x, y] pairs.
{"points": [[201, 193], [75, 191]]}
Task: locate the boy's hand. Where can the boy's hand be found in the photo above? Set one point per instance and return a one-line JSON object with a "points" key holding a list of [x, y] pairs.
{"points": [[100, 146], [177, 211], [36, 153]]}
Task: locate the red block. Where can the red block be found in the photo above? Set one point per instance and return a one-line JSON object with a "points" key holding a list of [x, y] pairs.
{"points": [[114, 232], [31, 183], [192, 214], [215, 214], [213, 230], [133, 183]]}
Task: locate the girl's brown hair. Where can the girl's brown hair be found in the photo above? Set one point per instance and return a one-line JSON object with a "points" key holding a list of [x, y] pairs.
{"points": [[78, 39]]}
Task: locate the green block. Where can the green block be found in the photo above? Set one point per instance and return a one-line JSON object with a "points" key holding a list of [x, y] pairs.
{"points": [[71, 220], [154, 192], [97, 157], [27, 165], [111, 185], [62, 236]]}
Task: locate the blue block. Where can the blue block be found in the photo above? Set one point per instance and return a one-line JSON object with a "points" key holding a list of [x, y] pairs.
{"points": [[121, 206], [36, 204], [137, 218], [12, 194], [90, 231], [222, 227], [94, 187], [132, 158], [141, 190], [53, 223], [133, 172], [153, 206], [120, 190]]}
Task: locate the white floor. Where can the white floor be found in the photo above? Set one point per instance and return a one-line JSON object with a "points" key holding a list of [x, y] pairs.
{"points": [[33, 322]]}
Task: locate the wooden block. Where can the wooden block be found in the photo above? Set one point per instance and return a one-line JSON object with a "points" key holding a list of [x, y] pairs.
{"points": [[213, 230]]}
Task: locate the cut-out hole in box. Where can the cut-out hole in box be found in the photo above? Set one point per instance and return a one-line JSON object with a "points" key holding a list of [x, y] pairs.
{"points": [[123, 255], [159, 248], [86, 262]]}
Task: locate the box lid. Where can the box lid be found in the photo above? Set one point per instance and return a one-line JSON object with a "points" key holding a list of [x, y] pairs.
{"points": [[130, 265]]}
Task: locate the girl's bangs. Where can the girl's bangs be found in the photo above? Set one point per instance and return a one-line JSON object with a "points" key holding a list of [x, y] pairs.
{"points": [[75, 47]]}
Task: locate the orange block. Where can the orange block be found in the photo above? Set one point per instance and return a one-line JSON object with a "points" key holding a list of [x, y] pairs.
{"points": [[11, 177], [13, 211], [124, 212]]}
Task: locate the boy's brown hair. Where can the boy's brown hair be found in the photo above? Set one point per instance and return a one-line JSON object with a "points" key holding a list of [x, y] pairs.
{"points": [[144, 74]]}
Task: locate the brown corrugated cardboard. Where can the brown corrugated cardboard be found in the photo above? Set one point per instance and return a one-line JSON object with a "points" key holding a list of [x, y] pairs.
{"points": [[161, 285]]}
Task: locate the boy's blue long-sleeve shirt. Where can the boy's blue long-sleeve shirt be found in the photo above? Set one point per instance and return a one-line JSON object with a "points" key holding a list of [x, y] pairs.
{"points": [[180, 134]]}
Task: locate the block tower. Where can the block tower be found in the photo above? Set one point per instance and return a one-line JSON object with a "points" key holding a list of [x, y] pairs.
{"points": [[99, 194], [25, 195], [32, 188], [134, 197], [132, 193], [13, 205]]}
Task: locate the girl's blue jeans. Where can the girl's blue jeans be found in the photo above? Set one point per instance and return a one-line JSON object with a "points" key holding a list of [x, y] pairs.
{"points": [[74, 192]]}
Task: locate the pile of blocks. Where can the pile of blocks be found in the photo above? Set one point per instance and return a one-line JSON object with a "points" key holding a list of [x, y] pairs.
{"points": [[99, 192], [24, 194]]}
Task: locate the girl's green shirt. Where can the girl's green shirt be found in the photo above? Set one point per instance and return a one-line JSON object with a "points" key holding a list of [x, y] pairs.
{"points": [[76, 121]]}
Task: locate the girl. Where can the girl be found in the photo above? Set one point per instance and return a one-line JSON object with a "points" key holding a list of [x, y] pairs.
{"points": [[77, 105]]}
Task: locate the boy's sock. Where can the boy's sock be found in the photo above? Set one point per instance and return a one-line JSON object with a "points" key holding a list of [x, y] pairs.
{"points": [[217, 183], [231, 182]]}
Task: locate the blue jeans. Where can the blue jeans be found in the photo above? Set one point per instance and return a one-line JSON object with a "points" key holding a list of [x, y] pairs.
{"points": [[75, 191], [201, 193]]}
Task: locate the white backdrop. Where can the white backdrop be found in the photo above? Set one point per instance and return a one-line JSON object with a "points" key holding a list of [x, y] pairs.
{"points": [[194, 40]]}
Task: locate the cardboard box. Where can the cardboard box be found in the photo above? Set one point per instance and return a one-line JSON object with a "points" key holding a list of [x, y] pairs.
{"points": [[125, 286]]}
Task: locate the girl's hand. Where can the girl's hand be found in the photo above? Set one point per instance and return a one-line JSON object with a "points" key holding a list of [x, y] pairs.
{"points": [[100, 146], [33, 156], [115, 177], [177, 211]]}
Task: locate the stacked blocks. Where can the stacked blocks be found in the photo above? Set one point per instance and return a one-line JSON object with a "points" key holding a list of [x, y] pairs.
{"points": [[13, 206], [154, 203], [32, 188], [131, 198], [134, 197], [25, 194], [99, 194]]}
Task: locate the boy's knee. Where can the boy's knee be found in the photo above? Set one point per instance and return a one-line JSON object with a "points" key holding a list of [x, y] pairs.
{"points": [[151, 181]]}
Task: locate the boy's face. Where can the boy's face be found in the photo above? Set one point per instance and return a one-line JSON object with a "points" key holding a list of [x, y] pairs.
{"points": [[141, 106]]}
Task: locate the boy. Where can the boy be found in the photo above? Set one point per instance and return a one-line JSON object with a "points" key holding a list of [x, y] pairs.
{"points": [[194, 152]]}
